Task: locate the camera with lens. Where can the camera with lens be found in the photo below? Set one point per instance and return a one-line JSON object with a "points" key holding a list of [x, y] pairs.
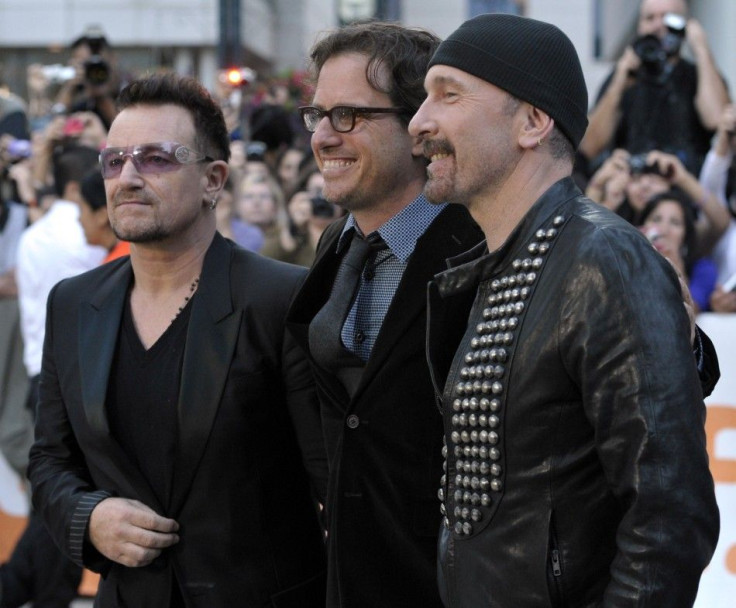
{"points": [[321, 207], [638, 165], [255, 151], [654, 52], [96, 69]]}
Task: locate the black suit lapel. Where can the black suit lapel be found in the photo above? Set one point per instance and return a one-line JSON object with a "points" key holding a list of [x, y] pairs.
{"points": [[211, 338], [99, 324], [316, 287], [311, 298]]}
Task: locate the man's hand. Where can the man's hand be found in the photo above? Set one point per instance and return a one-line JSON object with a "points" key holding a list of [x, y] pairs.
{"points": [[695, 35], [722, 301], [670, 167], [608, 184], [130, 533], [627, 66]]}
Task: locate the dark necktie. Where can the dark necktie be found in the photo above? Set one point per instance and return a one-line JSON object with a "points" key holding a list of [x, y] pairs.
{"points": [[324, 330]]}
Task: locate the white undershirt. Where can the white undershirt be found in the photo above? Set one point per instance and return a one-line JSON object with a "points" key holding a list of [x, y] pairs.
{"points": [[51, 249]]}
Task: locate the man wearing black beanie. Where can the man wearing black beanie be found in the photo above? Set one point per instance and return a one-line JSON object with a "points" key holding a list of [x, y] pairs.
{"points": [[576, 468]]}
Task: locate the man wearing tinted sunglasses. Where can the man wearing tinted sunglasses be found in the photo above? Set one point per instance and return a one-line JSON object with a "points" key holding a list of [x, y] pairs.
{"points": [[165, 457]]}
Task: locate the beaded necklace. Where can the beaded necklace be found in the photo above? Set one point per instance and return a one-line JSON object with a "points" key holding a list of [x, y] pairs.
{"points": [[192, 289]]}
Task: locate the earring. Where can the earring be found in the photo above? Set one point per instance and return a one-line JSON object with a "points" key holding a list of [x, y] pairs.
{"points": [[540, 141], [213, 204]]}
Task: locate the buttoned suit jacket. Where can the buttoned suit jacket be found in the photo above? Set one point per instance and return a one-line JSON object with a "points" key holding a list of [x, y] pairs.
{"points": [[384, 444], [249, 535]]}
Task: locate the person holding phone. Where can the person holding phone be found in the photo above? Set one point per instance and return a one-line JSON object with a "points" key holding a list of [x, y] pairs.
{"points": [[668, 222]]}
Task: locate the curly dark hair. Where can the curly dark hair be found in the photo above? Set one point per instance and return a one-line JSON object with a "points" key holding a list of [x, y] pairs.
{"points": [[402, 52], [190, 94], [674, 195]]}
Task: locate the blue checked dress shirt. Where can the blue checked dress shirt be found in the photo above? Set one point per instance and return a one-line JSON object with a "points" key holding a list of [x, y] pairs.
{"points": [[376, 292]]}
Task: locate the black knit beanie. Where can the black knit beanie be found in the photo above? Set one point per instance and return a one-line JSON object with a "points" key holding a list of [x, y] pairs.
{"points": [[532, 60]]}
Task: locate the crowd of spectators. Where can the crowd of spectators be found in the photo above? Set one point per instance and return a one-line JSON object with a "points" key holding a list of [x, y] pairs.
{"points": [[659, 149]]}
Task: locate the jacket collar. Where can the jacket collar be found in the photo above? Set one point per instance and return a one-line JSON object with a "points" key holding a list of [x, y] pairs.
{"points": [[211, 339], [469, 269]]}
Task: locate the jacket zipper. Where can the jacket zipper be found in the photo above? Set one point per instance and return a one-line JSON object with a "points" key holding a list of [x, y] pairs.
{"points": [[556, 569], [555, 561]]}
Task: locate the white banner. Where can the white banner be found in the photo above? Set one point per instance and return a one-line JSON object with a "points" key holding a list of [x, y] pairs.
{"points": [[718, 585]]}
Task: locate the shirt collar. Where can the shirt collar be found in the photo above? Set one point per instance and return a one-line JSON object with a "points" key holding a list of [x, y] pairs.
{"points": [[403, 230]]}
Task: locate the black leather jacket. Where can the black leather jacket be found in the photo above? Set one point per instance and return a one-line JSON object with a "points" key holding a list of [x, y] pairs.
{"points": [[576, 468]]}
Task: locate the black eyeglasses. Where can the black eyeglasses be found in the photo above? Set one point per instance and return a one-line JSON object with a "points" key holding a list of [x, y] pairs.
{"points": [[342, 118]]}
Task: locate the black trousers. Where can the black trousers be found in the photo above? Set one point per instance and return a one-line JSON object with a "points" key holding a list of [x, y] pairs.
{"points": [[37, 571]]}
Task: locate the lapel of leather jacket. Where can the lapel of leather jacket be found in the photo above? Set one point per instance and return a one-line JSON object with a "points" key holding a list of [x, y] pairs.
{"points": [[452, 232], [99, 324], [211, 337]]}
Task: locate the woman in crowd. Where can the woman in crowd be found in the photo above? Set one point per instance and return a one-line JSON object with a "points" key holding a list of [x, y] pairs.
{"points": [[625, 183], [287, 170], [261, 204], [668, 222]]}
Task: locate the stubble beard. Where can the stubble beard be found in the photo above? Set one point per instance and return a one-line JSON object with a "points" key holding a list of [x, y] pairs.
{"points": [[438, 190], [136, 233], [349, 200], [151, 234]]}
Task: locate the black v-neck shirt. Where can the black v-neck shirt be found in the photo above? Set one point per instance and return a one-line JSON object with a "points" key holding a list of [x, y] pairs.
{"points": [[142, 398]]}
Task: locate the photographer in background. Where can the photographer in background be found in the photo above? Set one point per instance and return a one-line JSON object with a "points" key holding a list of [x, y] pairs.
{"points": [[656, 99], [625, 183], [97, 82]]}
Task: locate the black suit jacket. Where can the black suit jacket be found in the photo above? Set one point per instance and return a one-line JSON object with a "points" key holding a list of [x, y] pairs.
{"points": [[384, 445], [248, 529]]}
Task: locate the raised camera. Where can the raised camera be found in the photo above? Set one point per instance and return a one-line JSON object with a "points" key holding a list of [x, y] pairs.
{"points": [[638, 165], [672, 40], [321, 207], [649, 49], [96, 69], [255, 151]]}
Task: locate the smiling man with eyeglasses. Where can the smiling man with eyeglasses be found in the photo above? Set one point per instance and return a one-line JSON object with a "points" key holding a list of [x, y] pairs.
{"points": [[165, 454], [379, 419], [342, 118]]}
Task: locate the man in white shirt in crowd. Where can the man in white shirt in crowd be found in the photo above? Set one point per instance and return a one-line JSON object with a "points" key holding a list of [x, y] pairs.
{"points": [[51, 249]]}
